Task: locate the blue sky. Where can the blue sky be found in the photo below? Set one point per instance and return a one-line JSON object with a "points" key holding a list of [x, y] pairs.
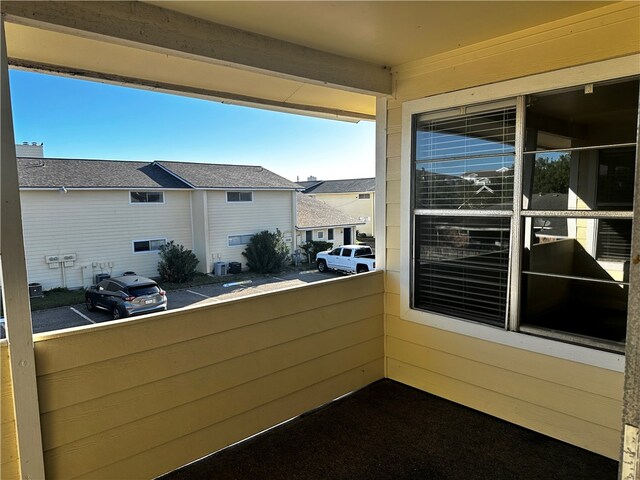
{"points": [[83, 119]]}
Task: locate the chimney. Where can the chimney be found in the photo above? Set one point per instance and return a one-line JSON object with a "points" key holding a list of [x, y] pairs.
{"points": [[32, 150]]}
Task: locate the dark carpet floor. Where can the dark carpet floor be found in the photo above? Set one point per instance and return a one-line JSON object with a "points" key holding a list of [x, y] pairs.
{"points": [[392, 431]]}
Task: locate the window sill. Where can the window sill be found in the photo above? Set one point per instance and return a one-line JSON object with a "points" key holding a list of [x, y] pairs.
{"points": [[522, 341]]}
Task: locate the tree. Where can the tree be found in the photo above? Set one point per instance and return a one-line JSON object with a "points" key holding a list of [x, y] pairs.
{"points": [[266, 252], [551, 176], [313, 247], [177, 264]]}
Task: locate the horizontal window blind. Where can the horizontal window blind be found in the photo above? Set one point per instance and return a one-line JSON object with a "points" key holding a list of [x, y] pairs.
{"points": [[461, 266], [465, 162], [614, 239], [486, 133]]}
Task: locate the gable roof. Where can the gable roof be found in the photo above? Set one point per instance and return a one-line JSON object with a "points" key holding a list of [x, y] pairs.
{"points": [[208, 175], [49, 173], [314, 213], [341, 186], [91, 174], [309, 183]]}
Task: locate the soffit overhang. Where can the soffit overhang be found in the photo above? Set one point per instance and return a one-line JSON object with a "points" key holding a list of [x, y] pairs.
{"points": [[318, 58]]}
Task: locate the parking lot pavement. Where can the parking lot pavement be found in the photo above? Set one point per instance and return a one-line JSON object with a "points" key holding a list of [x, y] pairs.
{"points": [[78, 315]]}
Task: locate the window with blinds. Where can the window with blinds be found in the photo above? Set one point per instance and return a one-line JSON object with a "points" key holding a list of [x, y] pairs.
{"points": [[465, 162], [575, 154], [614, 240], [463, 167], [616, 180], [461, 266]]}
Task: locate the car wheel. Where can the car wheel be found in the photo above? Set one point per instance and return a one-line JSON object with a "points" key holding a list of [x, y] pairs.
{"points": [[322, 266], [116, 313], [89, 303], [362, 269]]}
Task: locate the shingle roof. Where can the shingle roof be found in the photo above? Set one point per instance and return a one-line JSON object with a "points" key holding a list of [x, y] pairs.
{"points": [[71, 173], [342, 186], [314, 213], [309, 183], [207, 175]]}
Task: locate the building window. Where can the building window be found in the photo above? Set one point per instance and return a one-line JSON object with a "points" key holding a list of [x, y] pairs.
{"points": [[236, 240], [309, 236], [364, 196], [320, 235], [146, 197], [239, 196], [142, 246], [547, 255], [330, 234]]}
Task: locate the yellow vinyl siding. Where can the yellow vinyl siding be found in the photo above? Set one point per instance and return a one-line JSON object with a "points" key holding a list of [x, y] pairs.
{"points": [[608, 32], [350, 204], [270, 210], [573, 402], [8, 444], [191, 381], [98, 226]]}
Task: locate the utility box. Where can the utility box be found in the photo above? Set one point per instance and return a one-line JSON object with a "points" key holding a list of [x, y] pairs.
{"points": [[235, 267], [101, 276], [35, 290], [220, 269]]}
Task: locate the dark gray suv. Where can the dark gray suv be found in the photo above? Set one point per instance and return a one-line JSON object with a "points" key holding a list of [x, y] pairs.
{"points": [[126, 296]]}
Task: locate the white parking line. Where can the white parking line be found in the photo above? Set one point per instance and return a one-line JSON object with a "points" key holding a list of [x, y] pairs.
{"points": [[81, 314], [278, 278], [196, 293]]}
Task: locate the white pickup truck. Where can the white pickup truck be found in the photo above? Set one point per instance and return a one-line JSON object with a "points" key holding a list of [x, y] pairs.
{"points": [[347, 258]]}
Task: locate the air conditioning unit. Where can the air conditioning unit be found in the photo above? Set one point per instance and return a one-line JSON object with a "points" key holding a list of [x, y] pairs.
{"points": [[219, 269], [101, 276], [35, 290]]}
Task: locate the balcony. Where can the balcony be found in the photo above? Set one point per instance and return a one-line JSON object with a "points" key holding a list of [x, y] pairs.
{"points": [[391, 431], [142, 397], [138, 398]]}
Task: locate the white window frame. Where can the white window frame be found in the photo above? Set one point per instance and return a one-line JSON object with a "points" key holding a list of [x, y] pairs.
{"points": [[239, 192], [320, 234], [133, 245], [364, 196], [568, 77], [239, 235], [131, 192]]}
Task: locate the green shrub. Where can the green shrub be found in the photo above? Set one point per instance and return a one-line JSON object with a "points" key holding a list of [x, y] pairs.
{"points": [[314, 247], [177, 264], [266, 252]]}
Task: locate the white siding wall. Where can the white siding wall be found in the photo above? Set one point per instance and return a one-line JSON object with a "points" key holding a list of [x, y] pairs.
{"points": [[270, 210], [98, 226]]}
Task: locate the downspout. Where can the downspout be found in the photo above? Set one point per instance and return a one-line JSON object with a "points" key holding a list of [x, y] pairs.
{"points": [[15, 293]]}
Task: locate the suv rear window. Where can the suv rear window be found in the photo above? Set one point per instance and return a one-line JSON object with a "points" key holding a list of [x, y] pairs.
{"points": [[143, 290]]}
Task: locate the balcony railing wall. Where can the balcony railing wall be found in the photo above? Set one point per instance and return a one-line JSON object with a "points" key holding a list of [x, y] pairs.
{"points": [[138, 398]]}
